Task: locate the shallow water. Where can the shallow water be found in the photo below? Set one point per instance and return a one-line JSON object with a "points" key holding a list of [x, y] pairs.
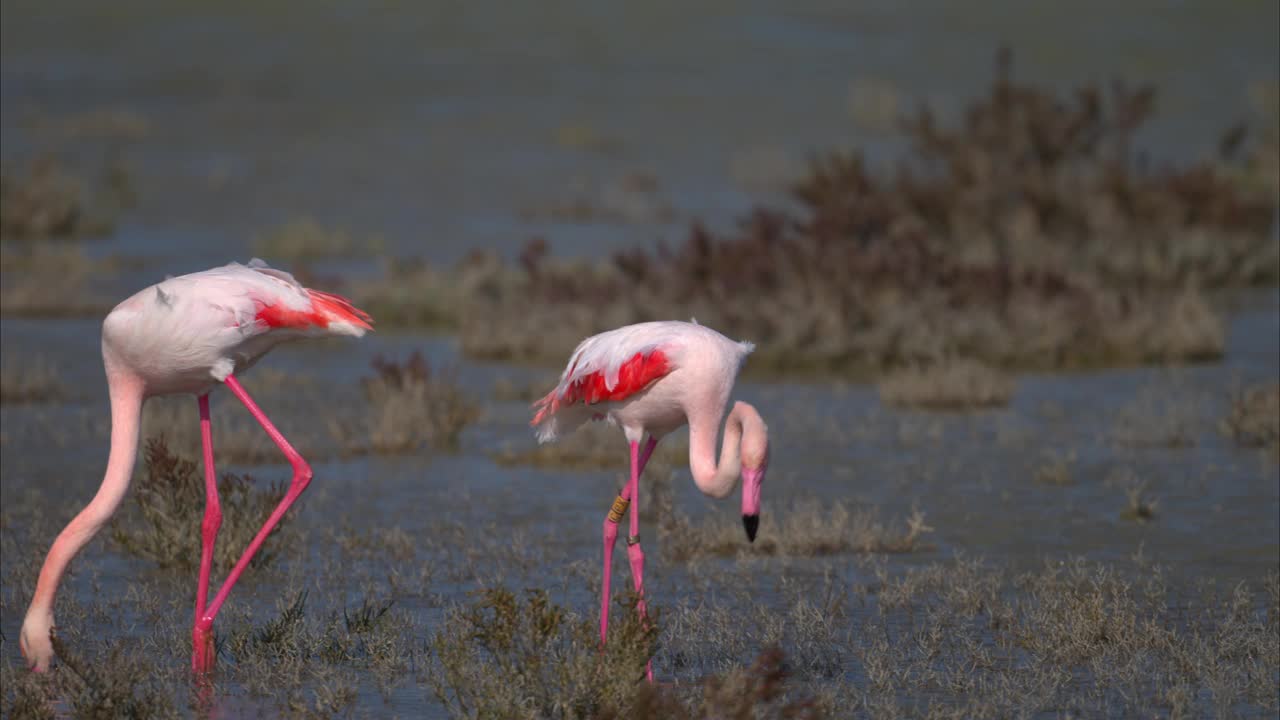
{"points": [[437, 127]]}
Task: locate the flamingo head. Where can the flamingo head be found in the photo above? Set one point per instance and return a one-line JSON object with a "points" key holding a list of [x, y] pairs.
{"points": [[34, 641], [752, 479], [755, 461]]}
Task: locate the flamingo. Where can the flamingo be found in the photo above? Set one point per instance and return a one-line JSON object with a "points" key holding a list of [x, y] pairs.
{"points": [[652, 378], [186, 335]]}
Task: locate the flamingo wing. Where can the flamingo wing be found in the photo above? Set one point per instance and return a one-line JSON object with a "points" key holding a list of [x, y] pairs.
{"points": [[632, 376], [287, 305], [260, 300], [610, 367]]}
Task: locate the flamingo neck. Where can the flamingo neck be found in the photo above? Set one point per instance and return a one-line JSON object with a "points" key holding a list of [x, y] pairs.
{"points": [[126, 410], [713, 478]]}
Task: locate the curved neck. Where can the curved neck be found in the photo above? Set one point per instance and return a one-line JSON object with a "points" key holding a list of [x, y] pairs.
{"points": [[718, 479], [126, 410]]}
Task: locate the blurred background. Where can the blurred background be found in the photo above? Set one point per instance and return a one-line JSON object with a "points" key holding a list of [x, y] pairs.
{"points": [[1011, 268]]}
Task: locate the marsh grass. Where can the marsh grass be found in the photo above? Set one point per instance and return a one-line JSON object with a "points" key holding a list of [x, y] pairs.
{"points": [[306, 239], [757, 692], [47, 202], [1254, 420], [410, 293], [1057, 470], [52, 280], [1026, 235], [52, 259], [1164, 414], [237, 436], [168, 509], [840, 637], [26, 380], [1074, 634], [402, 407], [803, 529], [509, 653], [948, 385], [1139, 505], [411, 406], [1260, 169], [118, 683]]}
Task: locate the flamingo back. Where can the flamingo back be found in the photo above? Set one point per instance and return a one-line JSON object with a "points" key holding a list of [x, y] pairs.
{"points": [[617, 365], [186, 331]]}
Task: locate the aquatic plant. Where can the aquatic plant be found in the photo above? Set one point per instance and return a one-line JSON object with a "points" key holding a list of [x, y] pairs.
{"points": [[26, 380], [403, 407], [800, 530], [119, 684], [411, 293], [1057, 470], [959, 637], [411, 406], [44, 280], [1029, 233], [1139, 506], [757, 692], [947, 385], [169, 501], [1254, 420], [46, 202], [511, 653], [237, 436], [306, 239]]}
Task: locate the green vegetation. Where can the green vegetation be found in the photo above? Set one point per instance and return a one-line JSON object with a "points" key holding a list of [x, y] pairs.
{"points": [[412, 406], [955, 385], [1254, 420], [168, 508], [306, 239], [46, 202], [1026, 236], [29, 380]]}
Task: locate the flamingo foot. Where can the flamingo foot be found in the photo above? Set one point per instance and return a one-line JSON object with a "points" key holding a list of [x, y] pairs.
{"points": [[636, 557], [203, 653]]}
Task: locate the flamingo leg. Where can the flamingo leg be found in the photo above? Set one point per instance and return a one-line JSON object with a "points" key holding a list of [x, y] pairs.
{"points": [[634, 552], [610, 538], [301, 478], [630, 494], [202, 652]]}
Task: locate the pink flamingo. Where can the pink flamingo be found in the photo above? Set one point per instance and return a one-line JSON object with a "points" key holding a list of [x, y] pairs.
{"points": [[185, 335], [652, 378]]}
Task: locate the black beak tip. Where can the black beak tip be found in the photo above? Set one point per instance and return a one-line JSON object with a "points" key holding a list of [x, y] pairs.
{"points": [[752, 524]]}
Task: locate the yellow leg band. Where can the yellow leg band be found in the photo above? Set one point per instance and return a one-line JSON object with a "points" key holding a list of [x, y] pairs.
{"points": [[618, 510]]}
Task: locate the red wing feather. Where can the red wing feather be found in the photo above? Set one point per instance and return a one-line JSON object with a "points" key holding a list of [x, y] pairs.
{"points": [[325, 308], [337, 307], [634, 375]]}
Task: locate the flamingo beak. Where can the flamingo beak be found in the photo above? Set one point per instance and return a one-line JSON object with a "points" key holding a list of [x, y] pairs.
{"points": [[751, 480]]}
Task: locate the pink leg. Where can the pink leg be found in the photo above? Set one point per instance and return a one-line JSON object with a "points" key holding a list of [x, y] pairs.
{"points": [[301, 478], [634, 552], [644, 456], [636, 555], [202, 642], [610, 537]]}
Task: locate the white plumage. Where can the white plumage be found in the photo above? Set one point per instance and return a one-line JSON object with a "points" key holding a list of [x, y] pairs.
{"points": [[692, 350], [187, 332]]}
